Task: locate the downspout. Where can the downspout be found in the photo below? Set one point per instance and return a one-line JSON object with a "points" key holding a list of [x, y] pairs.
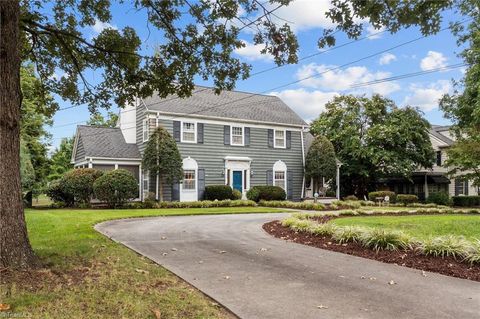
{"points": [[303, 163]]}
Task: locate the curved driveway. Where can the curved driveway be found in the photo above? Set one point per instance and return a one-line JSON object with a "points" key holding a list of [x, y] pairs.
{"points": [[231, 258]]}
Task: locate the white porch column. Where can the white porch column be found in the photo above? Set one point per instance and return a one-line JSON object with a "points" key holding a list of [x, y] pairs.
{"points": [[339, 164], [425, 187]]}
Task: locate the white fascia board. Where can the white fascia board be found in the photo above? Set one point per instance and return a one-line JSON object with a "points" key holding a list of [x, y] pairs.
{"points": [[225, 121], [237, 158], [74, 150]]}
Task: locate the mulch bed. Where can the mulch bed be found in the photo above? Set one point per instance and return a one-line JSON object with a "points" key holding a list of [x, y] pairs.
{"points": [[408, 258]]}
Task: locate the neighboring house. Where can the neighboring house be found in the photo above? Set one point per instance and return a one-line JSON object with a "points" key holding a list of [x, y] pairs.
{"points": [[235, 138], [428, 181]]}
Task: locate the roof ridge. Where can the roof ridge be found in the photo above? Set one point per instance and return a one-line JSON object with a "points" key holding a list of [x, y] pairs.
{"points": [[99, 126], [237, 91]]}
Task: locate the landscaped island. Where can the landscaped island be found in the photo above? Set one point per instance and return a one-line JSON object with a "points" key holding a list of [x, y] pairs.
{"points": [[437, 240]]}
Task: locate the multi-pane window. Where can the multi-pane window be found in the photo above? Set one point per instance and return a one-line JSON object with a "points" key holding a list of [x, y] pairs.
{"points": [[279, 179], [188, 132], [279, 138], [237, 135], [461, 187], [189, 179], [146, 130], [146, 184]]}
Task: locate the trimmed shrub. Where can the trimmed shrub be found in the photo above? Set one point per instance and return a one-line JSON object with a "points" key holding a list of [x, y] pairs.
{"points": [[406, 199], [218, 192], [206, 204], [116, 187], [56, 193], [79, 183], [268, 193], [466, 201], [440, 198], [236, 194], [373, 195], [294, 205], [350, 197], [253, 194]]}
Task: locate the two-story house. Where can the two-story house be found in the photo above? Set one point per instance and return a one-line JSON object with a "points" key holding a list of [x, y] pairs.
{"points": [[428, 181], [234, 138]]}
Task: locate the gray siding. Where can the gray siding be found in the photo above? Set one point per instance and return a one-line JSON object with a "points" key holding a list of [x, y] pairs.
{"points": [[80, 154], [210, 156], [141, 115]]}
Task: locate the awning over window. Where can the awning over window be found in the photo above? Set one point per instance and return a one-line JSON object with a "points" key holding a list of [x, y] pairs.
{"points": [[439, 179]]}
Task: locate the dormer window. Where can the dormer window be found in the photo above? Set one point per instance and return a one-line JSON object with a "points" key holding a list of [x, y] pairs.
{"points": [[279, 139], [237, 135], [189, 132]]}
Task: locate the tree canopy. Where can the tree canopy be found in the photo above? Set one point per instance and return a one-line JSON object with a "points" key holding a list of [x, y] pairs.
{"points": [[61, 158], [161, 157], [36, 113], [99, 120], [373, 138], [320, 161]]}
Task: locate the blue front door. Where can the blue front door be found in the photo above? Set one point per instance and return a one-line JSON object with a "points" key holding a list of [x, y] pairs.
{"points": [[237, 180]]}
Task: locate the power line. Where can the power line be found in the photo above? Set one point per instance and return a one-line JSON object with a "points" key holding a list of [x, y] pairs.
{"points": [[306, 78], [356, 85]]}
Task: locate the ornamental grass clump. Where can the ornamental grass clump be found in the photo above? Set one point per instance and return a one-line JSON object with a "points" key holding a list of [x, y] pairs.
{"points": [[325, 229], [301, 225], [348, 234], [445, 246], [379, 239], [473, 255]]}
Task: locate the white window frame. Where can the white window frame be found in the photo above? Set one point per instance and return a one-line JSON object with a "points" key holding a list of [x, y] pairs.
{"points": [[275, 139], [284, 179], [145, 190], [145, 129], [231, 135], [194, 131], [280, 166], [195, 180]]}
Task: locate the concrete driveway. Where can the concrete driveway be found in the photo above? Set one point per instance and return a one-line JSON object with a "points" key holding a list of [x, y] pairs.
{"points": [[231, 259]]}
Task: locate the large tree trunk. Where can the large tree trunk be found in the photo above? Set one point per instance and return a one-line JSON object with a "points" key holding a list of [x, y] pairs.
{"points": [[15, 249]]}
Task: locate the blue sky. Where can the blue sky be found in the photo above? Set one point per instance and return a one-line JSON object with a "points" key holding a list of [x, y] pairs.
{"points": [[308, 97]]}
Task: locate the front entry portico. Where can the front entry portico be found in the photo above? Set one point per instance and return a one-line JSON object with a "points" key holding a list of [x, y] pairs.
{"points": [[237, 173]]}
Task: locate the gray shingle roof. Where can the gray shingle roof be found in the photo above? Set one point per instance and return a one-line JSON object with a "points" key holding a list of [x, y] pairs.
{"points": [[228, 104], [106, 142], [435, 131], [307, 140]]}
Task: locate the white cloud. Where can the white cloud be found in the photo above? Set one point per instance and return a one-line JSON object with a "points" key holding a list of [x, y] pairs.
{"points": [[343, 79], [373, 33], [303, 15], [99, 26], [387, 58], [251, 52], [433, 60], [427, 97], [308, 104]]}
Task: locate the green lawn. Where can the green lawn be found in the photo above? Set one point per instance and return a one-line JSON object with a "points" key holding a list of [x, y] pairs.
{"points": [[421, 226], [89, 276]]}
